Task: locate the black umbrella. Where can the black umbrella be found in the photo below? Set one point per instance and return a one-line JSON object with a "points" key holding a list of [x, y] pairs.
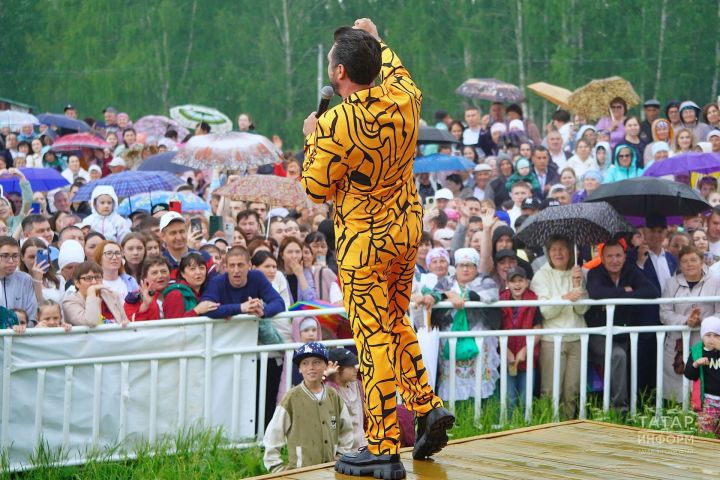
{"points": [[649, 196], [435, 135], [162, 162], [583, 223]]}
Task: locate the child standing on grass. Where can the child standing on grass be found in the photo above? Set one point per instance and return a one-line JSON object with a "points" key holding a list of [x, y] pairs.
{"points": [[342, 375], [519, 318], [312, 419], [703, 366]]}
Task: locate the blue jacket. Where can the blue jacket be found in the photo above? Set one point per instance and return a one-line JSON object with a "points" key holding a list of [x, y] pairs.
{"points": [[616, 172], [219, 290]]}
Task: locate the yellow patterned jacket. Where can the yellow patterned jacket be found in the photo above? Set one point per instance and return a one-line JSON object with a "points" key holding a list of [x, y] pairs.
{"points": [[360, 156]]}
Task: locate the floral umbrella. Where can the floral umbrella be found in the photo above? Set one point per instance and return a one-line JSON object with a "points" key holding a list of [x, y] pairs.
{"points": [[593, 99], [490, 89], [76, 141], [270, 189], [157, 125], [144, 201], [231, 150], [190, 115]]}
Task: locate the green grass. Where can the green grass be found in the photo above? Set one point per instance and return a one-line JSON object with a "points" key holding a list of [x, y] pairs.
{"points": [[204, 454]]}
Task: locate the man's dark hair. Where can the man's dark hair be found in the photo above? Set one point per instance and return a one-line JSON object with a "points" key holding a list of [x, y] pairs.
{"points": [[539, 148], [247, 213], [5, 241], [67, 229], [561, 116], [474, 219], [455, 178], [514, 107], [360, 54], [204, 126], [30, 220], [146, 224], [172, 134], [440, 115], [238, 251], [441, 219]]}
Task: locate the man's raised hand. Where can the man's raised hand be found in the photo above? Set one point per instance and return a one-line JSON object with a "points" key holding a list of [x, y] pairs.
{"points": [[367, 25]]}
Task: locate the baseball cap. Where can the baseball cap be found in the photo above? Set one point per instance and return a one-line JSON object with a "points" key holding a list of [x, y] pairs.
{"points": [[94, 167], [505, 253], [117, 162], [482, 167], [557, 187], [170, 217], [530, 203], [713, 133], [550, 202], [343, 357], [311, 349], [109, 109], [515, 271], [68, 107], [444, 234], [651, 103], [444, 193]]}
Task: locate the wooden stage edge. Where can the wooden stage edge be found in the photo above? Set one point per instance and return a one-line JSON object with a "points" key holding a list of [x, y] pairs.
{"points": [[577, 449]]}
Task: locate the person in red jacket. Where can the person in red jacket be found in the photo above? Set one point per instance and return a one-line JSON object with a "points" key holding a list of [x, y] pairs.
{"points": [[182, 299], [154, 278], [519, 318]]}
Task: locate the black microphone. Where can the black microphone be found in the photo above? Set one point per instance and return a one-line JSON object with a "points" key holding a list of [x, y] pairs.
{"points": [[326, 94]]}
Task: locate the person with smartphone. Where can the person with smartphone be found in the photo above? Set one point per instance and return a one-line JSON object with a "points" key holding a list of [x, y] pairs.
{"points": [[174, 235], [35, 261]]}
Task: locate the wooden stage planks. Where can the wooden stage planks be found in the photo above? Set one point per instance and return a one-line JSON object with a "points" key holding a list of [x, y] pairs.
{"points": [[576, 449]]}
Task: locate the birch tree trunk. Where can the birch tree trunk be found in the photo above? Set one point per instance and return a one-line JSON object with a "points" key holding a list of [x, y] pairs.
{"points": [[717, 63], [661, 45], [520, 48]]}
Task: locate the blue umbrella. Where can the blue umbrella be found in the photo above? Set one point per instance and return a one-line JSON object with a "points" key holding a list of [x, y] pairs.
{"points": [[63, 122], [127, 184], [438, 162], [41, 180], [163, 162], [144, 201]]}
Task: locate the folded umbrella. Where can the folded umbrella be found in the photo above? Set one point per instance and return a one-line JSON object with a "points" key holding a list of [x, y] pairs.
{"points": [[127, 184], [650, 196], [583, 223], [552, 93], [67, 123], [41, 180], [683, 163], [162, 162], [438, 162], [144, 201]]}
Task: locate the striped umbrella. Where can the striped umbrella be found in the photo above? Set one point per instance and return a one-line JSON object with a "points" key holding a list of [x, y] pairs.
{"points": [[583, 223], [127, 184], [190, 115]]}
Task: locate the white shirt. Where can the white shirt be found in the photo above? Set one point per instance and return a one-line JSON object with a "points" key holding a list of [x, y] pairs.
{"points": [[471, 136], [661, 268], [514, 213], [714, 247], [118, 286], [580, 166], [560, 160], [479, 193]]}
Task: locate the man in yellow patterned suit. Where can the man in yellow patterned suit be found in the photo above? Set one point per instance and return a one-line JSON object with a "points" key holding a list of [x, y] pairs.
{"points": [[359, 155]]}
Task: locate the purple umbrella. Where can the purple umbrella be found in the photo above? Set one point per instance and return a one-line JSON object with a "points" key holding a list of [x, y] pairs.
{"points": [[700, 162]]}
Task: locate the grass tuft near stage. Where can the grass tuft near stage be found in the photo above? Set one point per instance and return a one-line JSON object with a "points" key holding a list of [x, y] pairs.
{"points": [[202, 453]]}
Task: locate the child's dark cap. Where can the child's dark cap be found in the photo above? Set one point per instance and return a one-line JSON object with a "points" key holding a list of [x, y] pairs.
{"points": [[516, 271], [311, 349]]}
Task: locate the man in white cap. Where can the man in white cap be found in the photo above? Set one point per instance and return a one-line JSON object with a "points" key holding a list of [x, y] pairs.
{"points": [[117, 165], [443, 197], [714, 139], [174, 234], [481, 189]]}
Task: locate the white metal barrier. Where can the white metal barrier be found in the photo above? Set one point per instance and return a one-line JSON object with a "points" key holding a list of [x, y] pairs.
{"points": [[93, 388]]}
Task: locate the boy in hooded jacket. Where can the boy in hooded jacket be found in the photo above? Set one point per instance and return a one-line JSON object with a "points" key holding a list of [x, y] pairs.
{"points": [[104, 218]]}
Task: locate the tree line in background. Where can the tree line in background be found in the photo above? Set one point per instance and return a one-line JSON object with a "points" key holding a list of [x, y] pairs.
{"points": [[261, 57]]}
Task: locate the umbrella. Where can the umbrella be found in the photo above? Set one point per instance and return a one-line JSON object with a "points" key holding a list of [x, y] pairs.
{"points": [[162, 162], [491, 89], [270, 189], [435, 135], [332, 322], [438, 162], [144, 201], [76, 141], [552, 93], [157, 125], [127, 184], [190, 115], [593, 99], [41, 180], [15, 119], [231, 150], [647, 196], [67, 123], [583, 223], [700, 162]]}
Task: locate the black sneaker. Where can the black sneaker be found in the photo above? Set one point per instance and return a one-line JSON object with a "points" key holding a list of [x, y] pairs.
{"points": [[432, 432], [363, 463]]}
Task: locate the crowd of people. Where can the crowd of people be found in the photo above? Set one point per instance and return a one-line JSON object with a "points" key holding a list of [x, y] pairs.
{"points": [[66, 263]]}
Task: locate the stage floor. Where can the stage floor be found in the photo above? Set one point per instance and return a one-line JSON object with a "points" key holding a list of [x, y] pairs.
{"points": [[576, 449]]}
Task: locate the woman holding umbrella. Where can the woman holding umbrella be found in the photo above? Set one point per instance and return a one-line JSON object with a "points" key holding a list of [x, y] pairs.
{"points": [[694, 280], [561, 279], [615, 124]]}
